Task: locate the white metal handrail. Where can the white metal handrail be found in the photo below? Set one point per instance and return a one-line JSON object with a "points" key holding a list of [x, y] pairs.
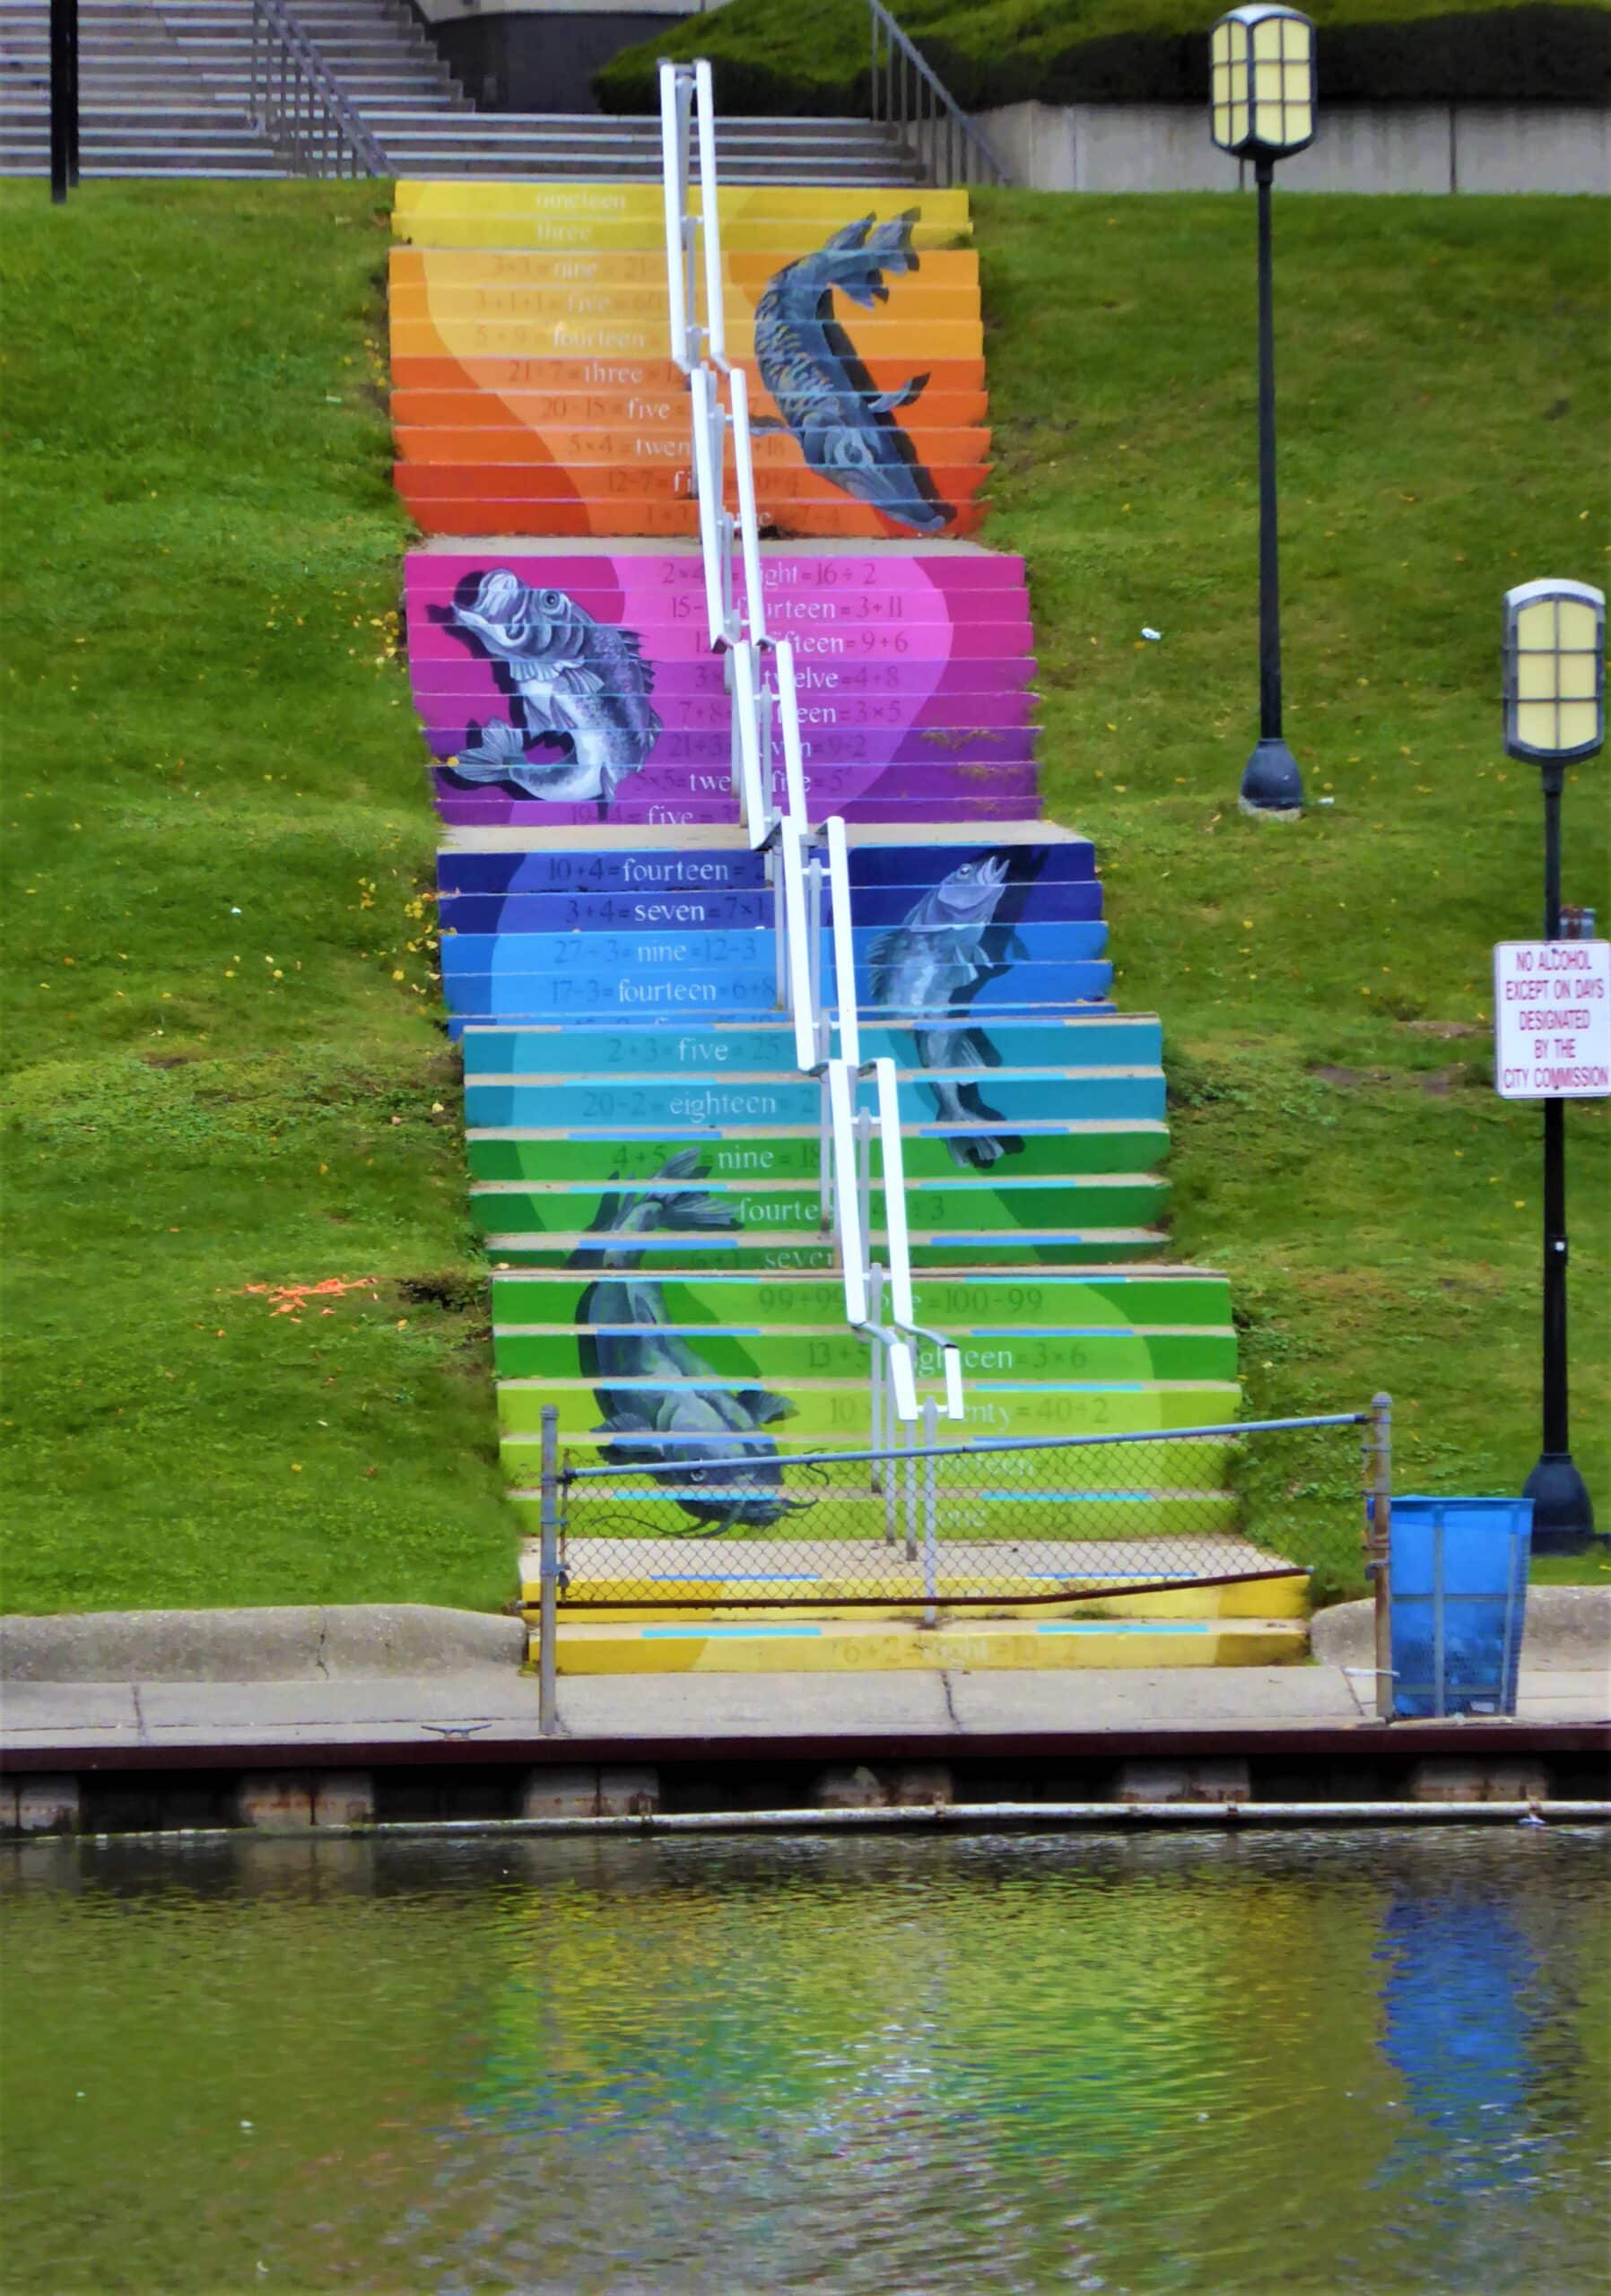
{"points": [[761, 710]]}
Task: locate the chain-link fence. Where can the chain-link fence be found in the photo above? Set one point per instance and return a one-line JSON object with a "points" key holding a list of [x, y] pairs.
{"points": [[942, 1525]]}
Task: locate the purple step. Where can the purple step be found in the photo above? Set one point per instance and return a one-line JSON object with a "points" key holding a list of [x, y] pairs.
{"points": [[693, 812]]}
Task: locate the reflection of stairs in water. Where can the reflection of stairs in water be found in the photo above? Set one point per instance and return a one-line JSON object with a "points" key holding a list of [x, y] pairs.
{"points": [[611, 970]]}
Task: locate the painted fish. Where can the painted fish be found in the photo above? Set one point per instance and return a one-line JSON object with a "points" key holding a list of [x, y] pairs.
{"points": [[928, 963], [847, 433], [579, 682], [703, 1429]]}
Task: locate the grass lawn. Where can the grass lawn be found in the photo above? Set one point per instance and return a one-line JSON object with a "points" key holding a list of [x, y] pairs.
{"points": [[225, 1071], [1325, 987]]}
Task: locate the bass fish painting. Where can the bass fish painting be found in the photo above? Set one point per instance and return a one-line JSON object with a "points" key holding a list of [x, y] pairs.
{"points": [[579, 683], [728, 1474], [846, 430], [927, 968]]}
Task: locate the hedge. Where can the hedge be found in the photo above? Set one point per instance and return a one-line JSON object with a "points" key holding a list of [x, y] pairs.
{"points": [[810, 58]]}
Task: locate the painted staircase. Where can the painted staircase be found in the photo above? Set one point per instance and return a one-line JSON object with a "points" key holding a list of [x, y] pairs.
{"points": [[608, 938]]}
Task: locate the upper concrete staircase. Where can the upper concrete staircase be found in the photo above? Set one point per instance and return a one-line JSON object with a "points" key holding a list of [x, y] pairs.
{"points": [[165, 89]]}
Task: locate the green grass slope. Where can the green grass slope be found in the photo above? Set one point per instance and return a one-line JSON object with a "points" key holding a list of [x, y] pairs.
{"points": [[1325, 987], [224, 1073], [812, 56]]}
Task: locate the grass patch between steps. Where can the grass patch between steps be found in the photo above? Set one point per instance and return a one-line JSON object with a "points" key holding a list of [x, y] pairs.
{"points": [[1325, 987], [203, 716]]}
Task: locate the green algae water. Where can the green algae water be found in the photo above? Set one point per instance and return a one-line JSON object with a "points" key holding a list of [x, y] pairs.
{"points": [[1338, 2061]]}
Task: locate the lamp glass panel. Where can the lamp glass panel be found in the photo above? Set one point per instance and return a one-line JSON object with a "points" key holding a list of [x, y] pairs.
{"points": [[1579, 625], [1576, 723], [1239, 124], [1299, 123], [1536, 724], [1266, 40], [1536, 677], [1579, 678], [1536, 627]]}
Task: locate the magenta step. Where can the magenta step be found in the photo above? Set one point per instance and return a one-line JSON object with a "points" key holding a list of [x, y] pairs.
{"points": [[441, 702], [828, 789]]}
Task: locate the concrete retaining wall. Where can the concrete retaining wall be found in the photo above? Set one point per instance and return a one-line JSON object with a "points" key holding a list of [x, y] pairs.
{"points": [[1361, 147]]}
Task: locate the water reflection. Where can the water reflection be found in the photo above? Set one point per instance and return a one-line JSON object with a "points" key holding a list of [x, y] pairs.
{"points": [[1361, 2062]]}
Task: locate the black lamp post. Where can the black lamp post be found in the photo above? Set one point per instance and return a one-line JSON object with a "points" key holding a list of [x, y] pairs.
{"points": [[1262, 90], [1554, 705]]}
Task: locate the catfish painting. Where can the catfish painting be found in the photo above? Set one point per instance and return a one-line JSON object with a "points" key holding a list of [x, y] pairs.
{"points": [[927, 968], [729, 1475], [847, 432], [579, 682]]}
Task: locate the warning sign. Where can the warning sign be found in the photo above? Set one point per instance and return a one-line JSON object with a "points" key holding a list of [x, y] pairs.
{"points": [[1551, 1020]]}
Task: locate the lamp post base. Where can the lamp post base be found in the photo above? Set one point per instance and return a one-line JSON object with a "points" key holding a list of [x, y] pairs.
{"points": [[1563, 1510], [1270, 783]]}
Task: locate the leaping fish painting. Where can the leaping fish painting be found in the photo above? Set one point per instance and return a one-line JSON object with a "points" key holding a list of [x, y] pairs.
{"points": [[731, 1477], [577, 682], [847, 433], [926, 967]]}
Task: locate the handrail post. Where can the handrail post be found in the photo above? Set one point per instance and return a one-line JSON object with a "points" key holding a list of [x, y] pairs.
{"points": [[1379, 1453], [548, 1576]]}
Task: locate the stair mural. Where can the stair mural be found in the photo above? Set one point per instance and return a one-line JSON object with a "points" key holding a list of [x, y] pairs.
{"points": [[644, 1151]]}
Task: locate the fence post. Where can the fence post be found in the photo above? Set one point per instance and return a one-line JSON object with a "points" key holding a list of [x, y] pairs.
{"points": [[548, 1573], [931, 1558], [1380, 1458]]}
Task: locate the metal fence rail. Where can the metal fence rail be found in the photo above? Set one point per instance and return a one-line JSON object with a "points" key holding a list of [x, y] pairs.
{"points": [[940, 1525]]}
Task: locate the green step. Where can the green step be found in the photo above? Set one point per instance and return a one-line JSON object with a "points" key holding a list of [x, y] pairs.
{"points": [[759, 1249], [1120, 1146], [1113, 1298], [836, 1352], [838, 1412], [794, 1207]]}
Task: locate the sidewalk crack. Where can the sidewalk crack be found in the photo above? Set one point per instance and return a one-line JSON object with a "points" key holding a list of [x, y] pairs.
{"points": [[139, 1715], [956, 1719]]}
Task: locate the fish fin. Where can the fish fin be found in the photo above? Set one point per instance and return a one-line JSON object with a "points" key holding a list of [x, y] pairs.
{"points": [[576, 679], [890, 400], [766, 427], [624, 1422], [1015, 945], [763, 1407], [683, 1166], [883, 949]]}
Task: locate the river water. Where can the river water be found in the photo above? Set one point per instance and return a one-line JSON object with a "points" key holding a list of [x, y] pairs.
{"points": [[1352, 2061]]}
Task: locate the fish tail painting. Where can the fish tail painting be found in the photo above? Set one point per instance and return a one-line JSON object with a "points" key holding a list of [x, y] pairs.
{"points": [[927, 967], [847, 430], [727, 1474], [581, 683]]}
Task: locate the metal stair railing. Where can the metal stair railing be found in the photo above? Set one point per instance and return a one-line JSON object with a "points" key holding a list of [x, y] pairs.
{"points": [[300, 106], [905, 94], [765, 724]]}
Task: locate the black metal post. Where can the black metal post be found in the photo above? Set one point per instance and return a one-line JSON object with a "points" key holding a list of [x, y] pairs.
{"points": [[1563, 1510], [1271, 783], [64, 98]]}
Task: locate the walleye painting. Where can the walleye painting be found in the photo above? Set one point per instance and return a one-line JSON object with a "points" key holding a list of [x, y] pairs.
{"points": [[702, 1430], [847, 432], [931, 964], [577, 682]]}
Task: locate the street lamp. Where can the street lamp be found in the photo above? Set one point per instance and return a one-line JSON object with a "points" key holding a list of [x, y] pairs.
{"points": [[1262, 104], [1554, 706]]}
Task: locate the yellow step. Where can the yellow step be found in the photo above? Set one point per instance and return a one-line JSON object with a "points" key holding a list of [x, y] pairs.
{"points": [[879, 1646]]}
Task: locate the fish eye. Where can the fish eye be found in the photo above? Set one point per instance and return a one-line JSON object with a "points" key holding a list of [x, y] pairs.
{"points": [[697, 1476], [552, 600]]}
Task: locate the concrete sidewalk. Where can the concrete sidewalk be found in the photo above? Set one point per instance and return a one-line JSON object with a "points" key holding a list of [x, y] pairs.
{"points": [[85, 1723]]}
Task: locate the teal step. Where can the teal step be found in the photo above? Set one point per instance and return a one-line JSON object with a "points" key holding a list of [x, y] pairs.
{"points": [[509, 1208], [650, 1104], [926, 1152], [1092, 1040]]}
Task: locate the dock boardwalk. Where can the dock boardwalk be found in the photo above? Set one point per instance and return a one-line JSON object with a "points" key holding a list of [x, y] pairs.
{"points": [[645, 1158]]}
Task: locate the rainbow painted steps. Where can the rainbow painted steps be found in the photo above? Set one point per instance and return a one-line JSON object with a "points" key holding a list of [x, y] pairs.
{"points": [[532, 392], [559, 687]]}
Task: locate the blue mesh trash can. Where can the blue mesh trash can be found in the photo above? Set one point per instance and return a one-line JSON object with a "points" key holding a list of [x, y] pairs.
{"points": [[1457, 1568]]}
